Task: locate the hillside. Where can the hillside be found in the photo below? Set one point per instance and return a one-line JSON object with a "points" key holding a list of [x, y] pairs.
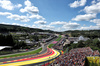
{"points": [[15, 28], [86, 33]]}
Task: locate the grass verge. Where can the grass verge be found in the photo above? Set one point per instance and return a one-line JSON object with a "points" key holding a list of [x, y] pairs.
{"points": [[51, 45], [21, 54], [58, 38]]}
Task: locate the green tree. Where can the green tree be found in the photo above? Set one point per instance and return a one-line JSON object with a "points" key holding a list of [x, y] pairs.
{"points": [[96, 42], [81, 44]]}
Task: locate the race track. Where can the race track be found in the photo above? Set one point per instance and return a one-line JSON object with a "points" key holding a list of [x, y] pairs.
{"points": [[50, 54]]}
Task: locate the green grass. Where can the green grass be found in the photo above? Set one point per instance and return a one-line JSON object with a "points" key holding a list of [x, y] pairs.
{"points": [[51, 45], [58, 38], [21, 54], [66, 50]]}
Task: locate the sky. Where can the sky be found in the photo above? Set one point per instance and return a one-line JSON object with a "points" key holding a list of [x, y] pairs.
{"points": [[56, 15]]}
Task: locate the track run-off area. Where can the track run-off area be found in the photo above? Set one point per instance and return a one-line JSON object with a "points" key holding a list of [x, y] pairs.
{"points": [[50, 54]]}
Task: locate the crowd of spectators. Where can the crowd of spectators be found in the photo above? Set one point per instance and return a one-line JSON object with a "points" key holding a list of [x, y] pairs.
{"points": [[96, 53], [75, 57]]}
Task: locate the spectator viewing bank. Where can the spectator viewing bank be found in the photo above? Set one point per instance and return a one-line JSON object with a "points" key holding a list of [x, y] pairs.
{"points": [[75, 57]]}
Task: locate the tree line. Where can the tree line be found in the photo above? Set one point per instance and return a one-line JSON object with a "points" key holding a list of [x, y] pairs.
{"points": [[8, 40], [93, 43], [15, 28], [86, 33]]}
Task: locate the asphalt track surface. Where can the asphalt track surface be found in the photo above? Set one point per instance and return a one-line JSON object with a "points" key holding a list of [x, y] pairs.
{"points": [[29, 58], [50, 54]]}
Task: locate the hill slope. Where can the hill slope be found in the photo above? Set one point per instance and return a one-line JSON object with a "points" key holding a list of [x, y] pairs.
{"points": [[15, 28]]}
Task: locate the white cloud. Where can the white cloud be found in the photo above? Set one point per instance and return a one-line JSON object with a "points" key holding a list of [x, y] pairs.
{"points": [[58, 23], [34, 26], [5, 13], [15, 16], [37, 17], [93, 2], [65, 25], [5, 23], [15, 24], [28, 3], [85, 17], [46, 27], [71, 26], [40, 22], [77, 3], [20, 18], [98, 0], [25, 25], [29, 8], [97, 21], [84, 25], [94, 8], [90, 28], [18, 5], [59, 29], [6, 4], [98, 24]]}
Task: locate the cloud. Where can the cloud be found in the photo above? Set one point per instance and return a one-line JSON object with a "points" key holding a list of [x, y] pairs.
{"points": [[5, 13], [77, 3], [6, 4], [94, 8], [97, 21], [85, 17], [4, 23], [98, 0], [25, 25], [46, 27], [20, 18], [15, 16], [33, 26], [90, 28], [18, 5], [65, 25], [71, 26], [40, 22], [28, 3], [93, 2], [37, 17], [58, 23], [29, 8]]}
